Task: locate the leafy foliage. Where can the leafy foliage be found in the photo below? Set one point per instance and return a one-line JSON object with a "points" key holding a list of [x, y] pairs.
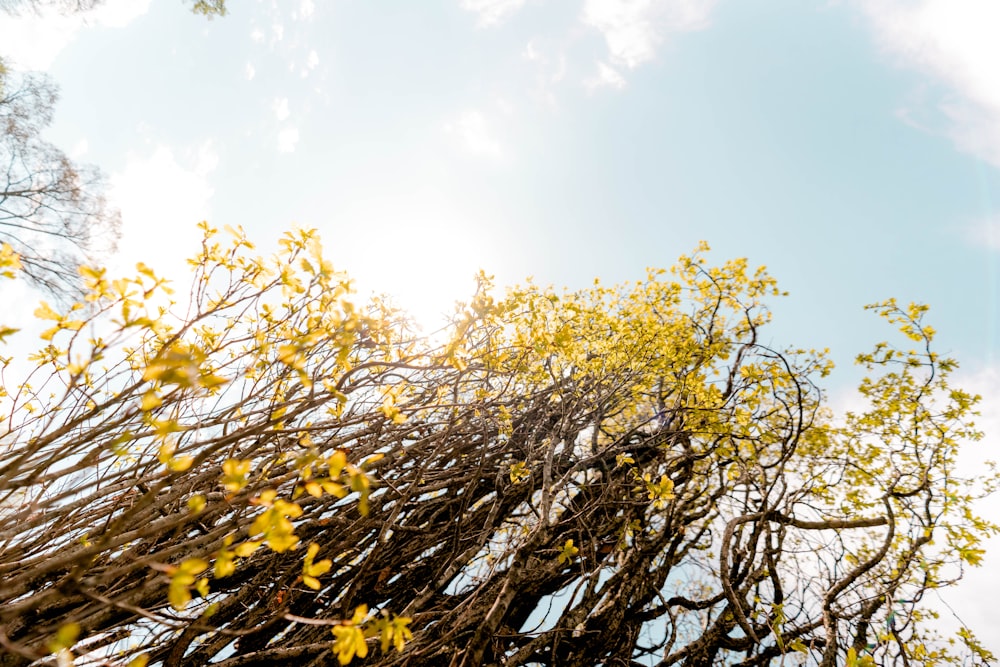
{"points": [[209, 8], [266, 472]]}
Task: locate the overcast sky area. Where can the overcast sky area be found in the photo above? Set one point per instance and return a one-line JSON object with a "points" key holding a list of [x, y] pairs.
{"points": [[852, 147]]}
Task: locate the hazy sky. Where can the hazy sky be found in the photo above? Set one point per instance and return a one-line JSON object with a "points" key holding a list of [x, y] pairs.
{"points": [[852, 147]]}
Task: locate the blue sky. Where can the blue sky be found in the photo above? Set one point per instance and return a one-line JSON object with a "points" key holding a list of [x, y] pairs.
{"points": [[852, 147]]}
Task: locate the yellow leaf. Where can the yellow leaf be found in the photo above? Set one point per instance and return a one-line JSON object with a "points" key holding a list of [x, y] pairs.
{"points": [[45, 312], [402, 633], [224, 565], [178, 595], [567, 552], [141, 268], [140, 660], [518, 472], [350, 639], [180, 463], [344, 644], [311, 569], [291, 356], [166, 452], [92, 277], [196, 503], [282, 543], [150, 401], [165, 427], [9, 261], [336, 463], [334, 489], [193, 565], [65, 637], [360, 614], [288, 509], [374, 458], [211, 381], [395, 632], [245, 549], [234, 474], [311, 582]]}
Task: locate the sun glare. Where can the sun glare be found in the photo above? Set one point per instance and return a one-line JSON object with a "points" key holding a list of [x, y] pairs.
{"points": [[429, 266]]}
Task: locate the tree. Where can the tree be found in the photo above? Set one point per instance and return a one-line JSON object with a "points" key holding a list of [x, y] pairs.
{"points": [[268, 473], [52, 211], [20, 7], [209, 8]]}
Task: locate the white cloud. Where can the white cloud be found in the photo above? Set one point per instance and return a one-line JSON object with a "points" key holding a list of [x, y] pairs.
{"points": [[34, 41], [634, 29], [606, 77], [119, 13], [531, 52], [306, 9], [280, 108], [257, 35], [955, 43], [986, 232], [249, 72], [162, 198], [504, 105], [79, 149], [287, 139], [311, 62], [476, 136], [560, 69], [550, 66], [492, 12], [554, 71], [968, 599]]}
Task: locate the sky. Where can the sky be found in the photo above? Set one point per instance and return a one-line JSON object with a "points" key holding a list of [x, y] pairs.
{"points": [[853, 147]]}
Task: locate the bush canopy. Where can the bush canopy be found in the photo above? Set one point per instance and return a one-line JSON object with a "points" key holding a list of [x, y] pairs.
{"points": [[264, 471]]}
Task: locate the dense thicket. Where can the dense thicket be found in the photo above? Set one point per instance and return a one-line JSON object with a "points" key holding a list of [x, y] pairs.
{"points": [[267, 473]]}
